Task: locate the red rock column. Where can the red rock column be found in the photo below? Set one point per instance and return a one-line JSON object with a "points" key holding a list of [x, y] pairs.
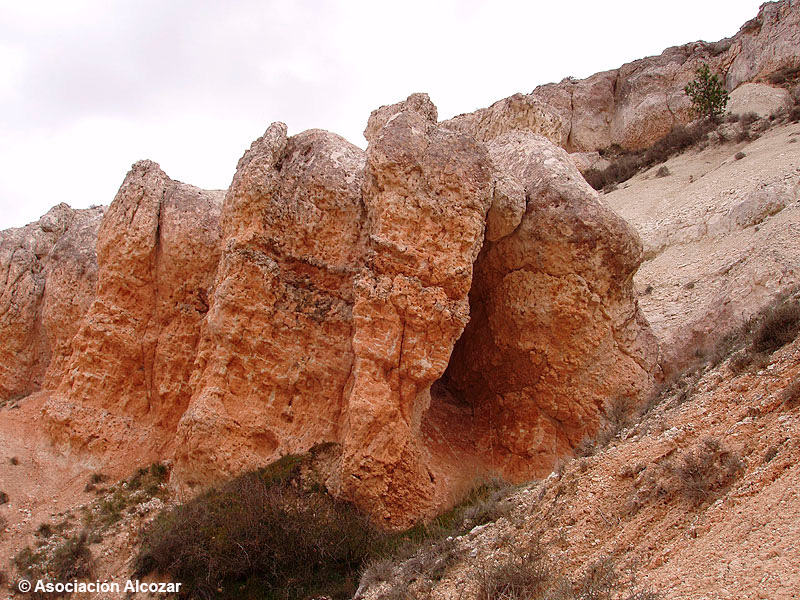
{"points": [[426, 193]]}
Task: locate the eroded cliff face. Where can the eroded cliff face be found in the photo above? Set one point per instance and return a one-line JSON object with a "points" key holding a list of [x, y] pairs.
{"points": [[555, 334], [438, 307], [276, 350], [125, 381], [640, 102], [49, 271]]}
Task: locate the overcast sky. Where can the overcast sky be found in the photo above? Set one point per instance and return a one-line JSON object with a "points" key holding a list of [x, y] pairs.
{"points": [[88, 87]]}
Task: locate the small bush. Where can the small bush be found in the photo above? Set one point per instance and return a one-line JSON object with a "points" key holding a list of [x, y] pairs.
{"points": [[697, 475], [708, 468], [522, 575], [787, 75], [94, 481], [771, 453], [72, 559], [663, 172], [14, 460], [778, 326], [618, 417], [529, 574], [791, 394], [3, 498], [748, 119], [739, 155], [45, 530]]}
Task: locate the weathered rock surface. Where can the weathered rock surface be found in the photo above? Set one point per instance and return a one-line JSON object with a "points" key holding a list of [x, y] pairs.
{"points": [[49, 270], [276, 350], [427, 192], [555, 334], [759, 98], [517, 112], [720, 238], [640, 102], [157, 251], [322, 302]]}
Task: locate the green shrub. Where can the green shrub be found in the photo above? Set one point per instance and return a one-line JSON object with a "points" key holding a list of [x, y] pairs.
{"points": [[72, 559], [708, 95], [259, 533]]}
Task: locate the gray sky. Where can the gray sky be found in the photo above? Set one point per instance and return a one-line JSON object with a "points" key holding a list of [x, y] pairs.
{"points": [[87, 87]]}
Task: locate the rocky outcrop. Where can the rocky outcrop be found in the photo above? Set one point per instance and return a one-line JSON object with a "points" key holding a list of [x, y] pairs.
{"points": [[276, 350], [640, 102], [426, 193], [128, 372], [438, 308], [517, 112], [49, 270], [758, 98], [555, 334]]}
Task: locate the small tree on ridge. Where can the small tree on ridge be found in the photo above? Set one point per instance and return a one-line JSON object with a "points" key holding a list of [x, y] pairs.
{"points": [[709, 97]]}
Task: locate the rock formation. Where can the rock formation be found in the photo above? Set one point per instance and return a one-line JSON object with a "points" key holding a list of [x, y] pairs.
{"points": [[130, 361], [455, 301], [323, 301], [555, 335], [49, 270], [640, 102]]}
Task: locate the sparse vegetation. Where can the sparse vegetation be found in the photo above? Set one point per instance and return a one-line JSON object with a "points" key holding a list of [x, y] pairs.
{"points": [[277, 533], [663, 172], [625, 164], [739, 155], [68, 560], [94, 481], [3, 498], [708, 94], [72, 559], [750, 345], [706, 469], [791, 394], [63, 552], [426, 551], [697, 475], [528, 574], [618, 416], [777, 326], [786, 76]]}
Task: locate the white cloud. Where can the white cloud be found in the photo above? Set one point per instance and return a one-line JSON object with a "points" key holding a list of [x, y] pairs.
{"points": [[88, 87]]}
